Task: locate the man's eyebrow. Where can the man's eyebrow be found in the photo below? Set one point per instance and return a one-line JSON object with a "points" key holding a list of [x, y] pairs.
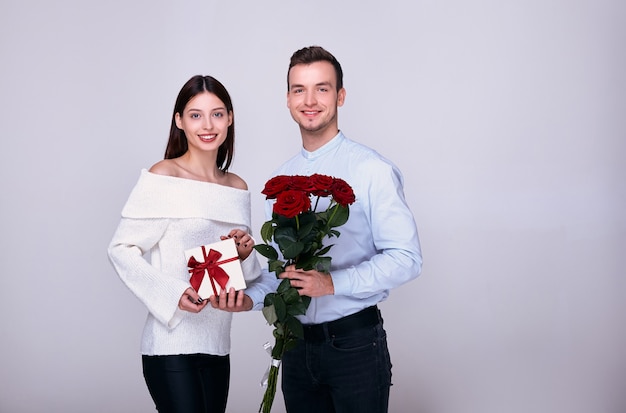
{"points": [[296, 85]]}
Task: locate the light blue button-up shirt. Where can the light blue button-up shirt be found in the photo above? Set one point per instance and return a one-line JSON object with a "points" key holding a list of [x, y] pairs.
{"points": [[378, 248]]}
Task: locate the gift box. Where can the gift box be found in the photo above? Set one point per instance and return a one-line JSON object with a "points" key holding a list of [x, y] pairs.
{"points": [[215, 267]]}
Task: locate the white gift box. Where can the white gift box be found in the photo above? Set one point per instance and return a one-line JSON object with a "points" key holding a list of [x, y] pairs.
{"points": [[212, 264]]}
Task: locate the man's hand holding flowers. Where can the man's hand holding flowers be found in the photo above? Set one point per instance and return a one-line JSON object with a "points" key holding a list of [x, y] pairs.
{"points": [[311, 283]]}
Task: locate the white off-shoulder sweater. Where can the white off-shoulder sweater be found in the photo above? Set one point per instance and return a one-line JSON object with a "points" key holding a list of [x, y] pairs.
{"points": [[163, 217]]}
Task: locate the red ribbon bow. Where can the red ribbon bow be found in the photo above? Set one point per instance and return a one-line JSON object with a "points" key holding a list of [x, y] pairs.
{"points": [[212, 266]]}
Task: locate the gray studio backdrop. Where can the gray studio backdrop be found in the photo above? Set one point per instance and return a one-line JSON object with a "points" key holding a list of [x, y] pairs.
{"points": [[507, 119]]}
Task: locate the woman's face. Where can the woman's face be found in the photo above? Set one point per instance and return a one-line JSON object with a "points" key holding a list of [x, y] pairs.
{"points": [[205, 121]]}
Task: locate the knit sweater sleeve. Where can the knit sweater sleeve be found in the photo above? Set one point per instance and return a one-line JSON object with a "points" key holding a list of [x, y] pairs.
{"points": [[159, 292]]}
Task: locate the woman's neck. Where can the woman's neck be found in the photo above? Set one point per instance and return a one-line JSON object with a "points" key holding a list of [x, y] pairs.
{"points": [[201, 168]]}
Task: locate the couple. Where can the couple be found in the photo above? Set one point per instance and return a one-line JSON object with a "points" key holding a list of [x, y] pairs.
{"points": [[190, 199]]}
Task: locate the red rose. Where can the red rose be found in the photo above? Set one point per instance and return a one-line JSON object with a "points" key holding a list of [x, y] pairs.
{"points": [[276, 185], [321, 184], [291, 203], [342, 192], [300, 183]]}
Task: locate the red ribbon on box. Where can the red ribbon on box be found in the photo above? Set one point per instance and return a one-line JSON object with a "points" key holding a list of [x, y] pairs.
{"points": [[212, 266]]}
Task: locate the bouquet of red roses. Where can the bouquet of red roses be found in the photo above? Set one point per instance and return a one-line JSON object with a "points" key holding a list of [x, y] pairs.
{"points": [[298, 230]]}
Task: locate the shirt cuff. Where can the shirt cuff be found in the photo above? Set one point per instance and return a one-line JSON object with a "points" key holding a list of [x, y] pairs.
{"points": [[341, 282]]}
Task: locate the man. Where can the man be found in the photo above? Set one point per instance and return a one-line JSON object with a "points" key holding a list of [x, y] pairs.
{"points": [[343, 363]]}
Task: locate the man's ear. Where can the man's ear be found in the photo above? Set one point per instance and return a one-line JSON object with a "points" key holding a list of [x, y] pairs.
{"points": [[341, 97]]}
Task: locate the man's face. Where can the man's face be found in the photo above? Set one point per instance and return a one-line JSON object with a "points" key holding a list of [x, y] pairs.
{"points": [[313, 99]]}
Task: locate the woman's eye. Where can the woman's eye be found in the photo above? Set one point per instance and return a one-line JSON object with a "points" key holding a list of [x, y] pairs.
{"points": [[218, 114], [195, 116]]}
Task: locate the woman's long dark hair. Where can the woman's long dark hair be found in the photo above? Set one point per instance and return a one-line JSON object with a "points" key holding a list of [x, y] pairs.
{"points": [[177, 144]]}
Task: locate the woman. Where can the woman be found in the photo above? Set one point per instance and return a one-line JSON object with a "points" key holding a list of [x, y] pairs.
{"points": [[186, 200]]}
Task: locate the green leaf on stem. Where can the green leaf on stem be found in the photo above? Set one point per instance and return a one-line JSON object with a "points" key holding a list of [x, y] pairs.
{"points": [[284, 285], [294, 325], [267, 251], [324, 250], [284, 222], [269, 299], [267, 231], [269, 312], [278, 349], [297, 308], [285, 235], [281, 308], [291, 296], [287, 241], [276, 266], [305, 230], [293, 250], [338, 216], [323, 264], [290, 344]]}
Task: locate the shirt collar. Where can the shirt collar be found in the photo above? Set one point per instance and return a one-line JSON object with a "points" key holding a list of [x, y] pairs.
{"points": [[329, 146]]}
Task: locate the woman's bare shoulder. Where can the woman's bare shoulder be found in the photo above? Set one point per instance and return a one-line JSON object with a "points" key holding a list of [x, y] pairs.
{"points": [[236, 181], [165, 167]]}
